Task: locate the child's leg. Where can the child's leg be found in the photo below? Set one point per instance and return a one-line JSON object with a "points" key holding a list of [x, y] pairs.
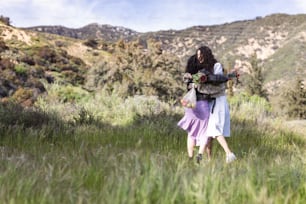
{"points": [[190, 146], [204, 147], [209, 148], [201, 151]]}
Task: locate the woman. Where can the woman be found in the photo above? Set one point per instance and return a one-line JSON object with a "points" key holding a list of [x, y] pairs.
{"points": [[219, 117], [195, 120]]}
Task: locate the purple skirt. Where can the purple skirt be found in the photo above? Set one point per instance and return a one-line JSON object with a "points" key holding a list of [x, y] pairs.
{"points": [[195, 121]]}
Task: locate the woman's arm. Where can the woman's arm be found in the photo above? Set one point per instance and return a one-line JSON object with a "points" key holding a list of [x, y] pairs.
{"points": [[218, 77]]}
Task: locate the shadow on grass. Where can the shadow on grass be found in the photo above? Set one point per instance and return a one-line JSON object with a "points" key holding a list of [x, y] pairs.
{"points": [[155, 132], [16, 121]]}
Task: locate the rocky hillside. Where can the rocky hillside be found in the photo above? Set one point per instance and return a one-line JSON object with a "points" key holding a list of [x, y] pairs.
{"points": [[91, 31], [29, 60], [278, 40], [115, 58], [273, 38]]}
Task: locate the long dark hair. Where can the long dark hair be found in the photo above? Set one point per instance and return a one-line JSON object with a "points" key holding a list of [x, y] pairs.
{"points": [[209, 58]]}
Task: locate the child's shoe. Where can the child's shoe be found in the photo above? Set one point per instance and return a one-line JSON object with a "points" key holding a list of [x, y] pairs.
{"points": [[199, 158]]}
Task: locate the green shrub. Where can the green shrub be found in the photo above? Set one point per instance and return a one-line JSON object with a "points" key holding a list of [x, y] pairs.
{"points": [[91, 43], [20, 70], [245, 106], [22, 94]]}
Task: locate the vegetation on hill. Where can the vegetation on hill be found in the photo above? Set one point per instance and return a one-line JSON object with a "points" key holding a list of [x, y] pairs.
{"points": [[27, 60], [255, 79], [294, 102], [134, 69], [129, 68], [147, 63]]}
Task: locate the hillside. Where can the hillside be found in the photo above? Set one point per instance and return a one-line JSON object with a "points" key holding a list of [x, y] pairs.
{"points": [[91, 31], [271, 37], [30, 59], [119, 59]]}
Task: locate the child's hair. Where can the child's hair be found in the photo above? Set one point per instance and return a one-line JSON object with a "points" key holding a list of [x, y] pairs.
{"points": [[192, 66]]}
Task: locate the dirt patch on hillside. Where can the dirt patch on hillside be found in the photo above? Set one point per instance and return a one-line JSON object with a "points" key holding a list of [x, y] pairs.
{"points": [[10, 33], [88, 55], [79, 50]]}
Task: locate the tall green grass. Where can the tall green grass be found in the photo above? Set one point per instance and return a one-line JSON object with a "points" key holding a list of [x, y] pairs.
{"points": [[88, 157]]}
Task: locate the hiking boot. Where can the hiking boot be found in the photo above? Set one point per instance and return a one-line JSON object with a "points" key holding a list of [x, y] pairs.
{"points": [[230, 158], [199, 158]]}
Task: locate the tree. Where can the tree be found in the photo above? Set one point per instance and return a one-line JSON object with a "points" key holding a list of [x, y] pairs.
{"points": [[294, 101], [229, 64], [255, 80], [5, 20]]}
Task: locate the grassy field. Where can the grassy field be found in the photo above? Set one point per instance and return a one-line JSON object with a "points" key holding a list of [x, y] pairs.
{"points": [[111, 150]]}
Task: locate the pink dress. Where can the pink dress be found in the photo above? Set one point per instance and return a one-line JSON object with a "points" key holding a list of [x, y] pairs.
{"points": [[195, 121]]}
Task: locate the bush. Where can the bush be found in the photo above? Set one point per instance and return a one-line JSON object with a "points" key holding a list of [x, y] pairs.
{"points": [[22, 94], [3, 46], [244, 106], [6, 63], [5, 20], [20, 70], [91, 43]]}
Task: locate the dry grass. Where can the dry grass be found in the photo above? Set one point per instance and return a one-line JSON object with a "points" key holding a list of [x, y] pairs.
{"points": [[298, 126]]}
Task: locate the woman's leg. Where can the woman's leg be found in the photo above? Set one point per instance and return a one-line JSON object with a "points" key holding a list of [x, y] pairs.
{"points": [[229, 155], [223, 143]]}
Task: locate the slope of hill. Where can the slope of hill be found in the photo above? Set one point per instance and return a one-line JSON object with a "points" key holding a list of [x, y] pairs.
{"points": [[91, 31], [270, 37], [27, 59], [118, 58], [125, 67], [278, 41]]}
